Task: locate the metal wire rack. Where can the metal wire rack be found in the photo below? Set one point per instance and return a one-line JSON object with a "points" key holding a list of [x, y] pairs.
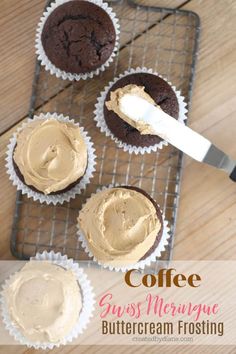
{"points": [[159, 38]]}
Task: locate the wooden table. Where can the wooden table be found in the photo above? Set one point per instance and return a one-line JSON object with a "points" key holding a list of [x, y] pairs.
{"points": [[206, 227]]}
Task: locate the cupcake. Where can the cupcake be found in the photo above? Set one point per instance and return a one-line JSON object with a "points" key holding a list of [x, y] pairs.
{"points": [[121, 227], [76, 39], [50, 158], [47, 303], [44, 301], [151, 87]]}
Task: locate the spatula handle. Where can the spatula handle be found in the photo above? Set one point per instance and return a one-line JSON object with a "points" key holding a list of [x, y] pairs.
{"points": [[233, 175]]}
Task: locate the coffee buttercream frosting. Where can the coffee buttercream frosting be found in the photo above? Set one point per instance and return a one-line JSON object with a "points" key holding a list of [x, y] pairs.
{"points": [[50, 154], [120, 225], [44, 301], [115, 105]]}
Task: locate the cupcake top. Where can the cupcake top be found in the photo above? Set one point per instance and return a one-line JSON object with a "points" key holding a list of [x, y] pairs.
{"points": [[120, 225], [78, 37], [44, 301], [160, 93], [124, 100], [50, 154]]}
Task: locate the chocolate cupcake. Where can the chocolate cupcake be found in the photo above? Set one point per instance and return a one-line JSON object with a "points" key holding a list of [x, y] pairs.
{"points": [[76, 39], [155, 89], [122, 227], [48, 302], [51, 158]]}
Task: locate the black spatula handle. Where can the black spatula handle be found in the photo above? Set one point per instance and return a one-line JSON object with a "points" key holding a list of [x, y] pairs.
{"points": [[233, 175]]}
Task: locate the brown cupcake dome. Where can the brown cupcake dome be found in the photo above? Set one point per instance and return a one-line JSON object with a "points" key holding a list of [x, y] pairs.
{"points": [[78, 37]]}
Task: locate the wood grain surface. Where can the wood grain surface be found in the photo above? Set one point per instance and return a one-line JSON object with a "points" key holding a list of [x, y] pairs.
{"points": [[206, 227]]}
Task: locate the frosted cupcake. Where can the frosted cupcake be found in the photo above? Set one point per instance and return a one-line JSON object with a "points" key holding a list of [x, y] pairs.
{"points": [[44, 301], [151, 87], [52, 158], [76, 39], [121, 227], [48, 302]]}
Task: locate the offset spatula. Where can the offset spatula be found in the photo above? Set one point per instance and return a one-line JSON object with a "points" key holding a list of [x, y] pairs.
{"points": [[177, 134]]}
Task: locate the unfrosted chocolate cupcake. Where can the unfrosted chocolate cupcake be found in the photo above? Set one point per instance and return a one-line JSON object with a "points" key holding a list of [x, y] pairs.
{"points": [[162, 94], [78, 37], [121, 226]]}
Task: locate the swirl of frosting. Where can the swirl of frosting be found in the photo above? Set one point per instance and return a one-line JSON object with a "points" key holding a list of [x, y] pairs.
{"points": [[44, 301], [120, 225], [50, 154]]}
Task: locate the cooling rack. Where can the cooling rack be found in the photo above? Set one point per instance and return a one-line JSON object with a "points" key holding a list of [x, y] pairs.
{"points": [[163, 39]]}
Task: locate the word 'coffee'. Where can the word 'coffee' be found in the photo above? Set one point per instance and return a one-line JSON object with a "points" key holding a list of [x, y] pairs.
{"points": [[164, 278]]}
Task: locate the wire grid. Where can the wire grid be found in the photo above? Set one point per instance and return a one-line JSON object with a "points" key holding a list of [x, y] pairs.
{"points": [[159, 38]]}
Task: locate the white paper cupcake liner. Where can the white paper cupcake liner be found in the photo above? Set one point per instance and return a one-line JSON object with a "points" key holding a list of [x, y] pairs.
{"points": [[139, 265], [101, 123], [55, 198], [49, 66], [86, 313]]}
